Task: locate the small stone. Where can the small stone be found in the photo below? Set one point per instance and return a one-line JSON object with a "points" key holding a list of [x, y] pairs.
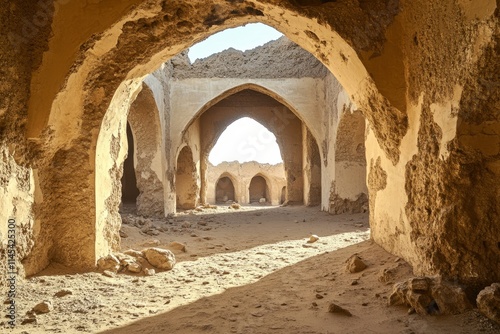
{"points": [[236, 206], [149, 272], [319, 296], [488, 302], [313, 238], [314, 304], [134, 267], [202, 223], [109, 262], [355, 264], [109, 273], [30, 320], [334, 308], [63, 293], [133, 253], [354, 282], [43, 307], [411, 311], [123, 234], [151, 243], [186, 225], [160, 258], [177, 246], [262, 200], [359, 224]]}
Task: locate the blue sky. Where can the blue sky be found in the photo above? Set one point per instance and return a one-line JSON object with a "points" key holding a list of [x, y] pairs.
{"points": [[245, 139], [240, 38]]}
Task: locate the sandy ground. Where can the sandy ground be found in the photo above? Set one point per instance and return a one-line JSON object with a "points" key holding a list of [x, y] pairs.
{"points": [[243, 271]]}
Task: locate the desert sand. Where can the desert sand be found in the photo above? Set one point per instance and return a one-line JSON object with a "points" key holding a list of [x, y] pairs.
{"points": [[247, 270]]}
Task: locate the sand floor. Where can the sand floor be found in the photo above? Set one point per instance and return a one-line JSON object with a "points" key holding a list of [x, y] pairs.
{"points": [[244, 271]]}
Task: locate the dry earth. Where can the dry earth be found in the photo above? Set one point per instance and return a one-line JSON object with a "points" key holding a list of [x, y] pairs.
{"points": [[244, 271]]}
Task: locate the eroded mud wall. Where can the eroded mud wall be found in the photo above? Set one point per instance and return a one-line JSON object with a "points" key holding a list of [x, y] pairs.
{"points": [[148, 163], [432, 140]]}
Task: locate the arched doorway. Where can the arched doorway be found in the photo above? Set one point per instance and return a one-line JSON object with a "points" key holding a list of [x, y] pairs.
{"points": [[186, 187], [283, 195], [129, 180], [258, 190], [224, 190]]}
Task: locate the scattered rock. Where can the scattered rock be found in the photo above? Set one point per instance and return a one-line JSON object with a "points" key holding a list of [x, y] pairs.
{"points": [[319, 296], [125, 259], [151, 243], [430, 295], [123, 234], [109, 262], [29, 320], [236, 206], [488, 302], [202, 223], [355, 264], [133, 253], [387, 275], [313, 238], [149, 272], [109, 273], [63, 293], [334, 308], [186, 225], [134, 267], [262, 200], [43, 307], [160, 258], [177, 246], [359, 224], [355, 282]]}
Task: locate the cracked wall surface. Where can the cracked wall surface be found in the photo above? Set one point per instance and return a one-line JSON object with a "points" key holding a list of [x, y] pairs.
{"points": [[432, 123]]}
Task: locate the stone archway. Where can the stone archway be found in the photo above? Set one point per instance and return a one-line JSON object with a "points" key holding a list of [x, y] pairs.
{"points": [[81, 75], [101, 80], [224, 190], [258, 190], [186, 188]]}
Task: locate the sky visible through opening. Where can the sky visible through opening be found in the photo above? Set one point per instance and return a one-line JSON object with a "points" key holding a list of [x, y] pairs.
{"points": [[245, 139]]}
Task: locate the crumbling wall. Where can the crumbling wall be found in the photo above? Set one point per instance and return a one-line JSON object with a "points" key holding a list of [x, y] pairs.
{"points": [[433, 121], [186, 176], [287, 58], [349, 193], [144, 121]]}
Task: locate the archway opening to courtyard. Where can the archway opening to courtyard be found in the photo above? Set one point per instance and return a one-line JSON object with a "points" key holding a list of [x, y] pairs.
{"points": [[258, 191], [186, 188], [224, 190]]}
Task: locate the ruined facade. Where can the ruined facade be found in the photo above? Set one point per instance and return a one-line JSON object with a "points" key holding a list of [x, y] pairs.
{"points": [[245, 183], [423, 74]]}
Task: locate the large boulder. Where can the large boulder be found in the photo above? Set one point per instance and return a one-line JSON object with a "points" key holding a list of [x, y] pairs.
{"points": [[430, 295], [159, 258], [488, 302]]}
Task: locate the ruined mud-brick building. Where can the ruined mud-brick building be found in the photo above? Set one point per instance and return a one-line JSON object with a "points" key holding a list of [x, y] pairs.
{"points": [[246, 183], [423, 74]]}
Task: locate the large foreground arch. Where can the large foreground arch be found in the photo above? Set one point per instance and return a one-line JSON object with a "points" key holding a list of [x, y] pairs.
{"points": [[432, 136]]}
